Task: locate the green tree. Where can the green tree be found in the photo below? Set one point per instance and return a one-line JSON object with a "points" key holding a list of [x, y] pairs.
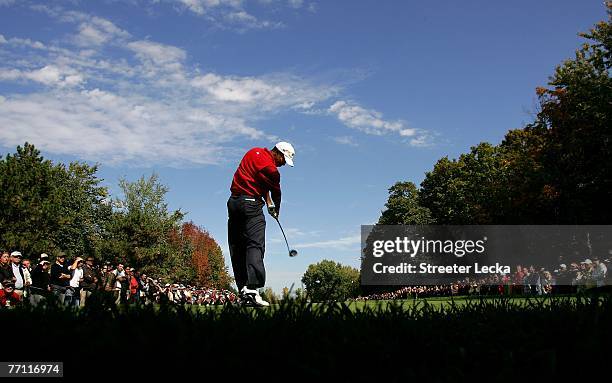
{"points": [[403, 207], [526, 193], [576, 118], [47, 207], [466, 190], [329, 280], [145, 234]]}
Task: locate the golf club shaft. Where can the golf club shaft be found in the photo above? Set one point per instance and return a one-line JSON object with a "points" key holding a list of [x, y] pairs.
{"points": [[283, 231]]}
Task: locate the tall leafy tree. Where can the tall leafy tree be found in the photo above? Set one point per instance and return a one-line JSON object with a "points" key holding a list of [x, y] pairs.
{"points": [[329, 280], [144, 233], [403, 207], [47, 207], [576, 112], [466, 190], [207, 257]]}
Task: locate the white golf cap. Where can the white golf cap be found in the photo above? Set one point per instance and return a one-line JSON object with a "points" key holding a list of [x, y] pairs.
{"points": [[16, 254], [287, 150]]}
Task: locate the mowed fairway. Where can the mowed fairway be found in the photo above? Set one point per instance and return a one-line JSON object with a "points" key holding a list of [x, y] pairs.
{"points": [[449, 302], [435, 303]]}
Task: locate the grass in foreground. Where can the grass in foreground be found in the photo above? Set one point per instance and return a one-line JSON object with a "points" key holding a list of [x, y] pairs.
{"points": [[497, 339]]}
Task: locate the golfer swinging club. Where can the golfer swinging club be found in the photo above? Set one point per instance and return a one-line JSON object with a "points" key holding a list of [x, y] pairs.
{"points": [[256, 180]]}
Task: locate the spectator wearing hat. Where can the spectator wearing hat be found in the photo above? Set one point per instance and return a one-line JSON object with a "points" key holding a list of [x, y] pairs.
{"points": [[89, 284], [60, 277], [20, 283], [40, 282], [43, 257], [6, 272], [8, 296], [584, 278]]}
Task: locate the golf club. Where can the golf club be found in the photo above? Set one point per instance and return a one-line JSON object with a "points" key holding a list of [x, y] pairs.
{"points": [[292, 252]]}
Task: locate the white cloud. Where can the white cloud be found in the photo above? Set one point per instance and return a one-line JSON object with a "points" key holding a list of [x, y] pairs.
{"points": [[194, 6], [296, 3], [95, 31], [230, 14], [26, 43], [267, 93], [106, 127], [2, 39], [345, 140], [372, 122], [49, 75], [367, 120], [238, 89], [157, 53], [143, 104], [344, 243], [202, 6], [423, 139], [248, 21], [105, 108]]}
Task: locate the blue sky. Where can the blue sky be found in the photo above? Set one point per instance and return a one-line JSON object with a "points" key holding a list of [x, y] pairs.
{"points": [[369, 93]]}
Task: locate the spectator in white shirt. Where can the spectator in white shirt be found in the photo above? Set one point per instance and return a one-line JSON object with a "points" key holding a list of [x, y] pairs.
{"points": [[18, 272], [75, 280], [599, 272]]}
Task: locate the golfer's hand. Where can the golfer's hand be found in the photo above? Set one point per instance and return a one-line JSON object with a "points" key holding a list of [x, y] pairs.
{"points": [[272, 211]]}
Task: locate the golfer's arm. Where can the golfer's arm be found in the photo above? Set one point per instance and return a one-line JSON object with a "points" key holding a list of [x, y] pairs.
{"points": [[268, 199], [271, 179]]}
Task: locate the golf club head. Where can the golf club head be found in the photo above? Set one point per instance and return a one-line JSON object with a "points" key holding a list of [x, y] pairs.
{"points": [[293, 253]]}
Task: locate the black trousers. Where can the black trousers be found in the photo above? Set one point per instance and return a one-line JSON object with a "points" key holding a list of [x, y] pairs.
{"points": [[246, 229]]}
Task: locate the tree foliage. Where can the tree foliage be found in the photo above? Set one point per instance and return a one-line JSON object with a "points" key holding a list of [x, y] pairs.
{"points": [[206, 256], [403, 207], [329, 280], [142, 227], [47, 207]]}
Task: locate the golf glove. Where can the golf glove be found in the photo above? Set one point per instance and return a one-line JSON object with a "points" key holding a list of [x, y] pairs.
{"points": [[272, 211]]}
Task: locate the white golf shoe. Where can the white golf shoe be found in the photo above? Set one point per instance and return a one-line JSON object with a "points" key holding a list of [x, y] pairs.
{"points": [[252, 297]]}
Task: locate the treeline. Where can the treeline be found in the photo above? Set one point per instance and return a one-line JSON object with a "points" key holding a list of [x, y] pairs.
{"points": [[555, 170], [52, 208]]}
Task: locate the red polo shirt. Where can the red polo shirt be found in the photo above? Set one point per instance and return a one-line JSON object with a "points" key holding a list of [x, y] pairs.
{"points": [[256, 175]]}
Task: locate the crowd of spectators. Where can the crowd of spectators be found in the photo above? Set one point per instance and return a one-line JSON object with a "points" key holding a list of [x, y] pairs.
{"points": [[72, 283], [525, 280]]}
